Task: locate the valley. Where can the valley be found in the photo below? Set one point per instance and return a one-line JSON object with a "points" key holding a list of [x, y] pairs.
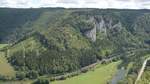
{"points": [[74, 46]]}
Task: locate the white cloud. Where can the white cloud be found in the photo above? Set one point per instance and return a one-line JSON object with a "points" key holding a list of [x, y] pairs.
{"points": [[132, 4]]}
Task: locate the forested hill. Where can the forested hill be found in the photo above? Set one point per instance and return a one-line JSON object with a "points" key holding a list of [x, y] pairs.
{"points": [[58, 40], [15, 20]]}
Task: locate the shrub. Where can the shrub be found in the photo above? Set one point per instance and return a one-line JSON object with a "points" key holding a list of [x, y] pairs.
{"points": [[5, 78], [84, 70], [20, 75], [32, 74], [41, 81], [62, 78]]}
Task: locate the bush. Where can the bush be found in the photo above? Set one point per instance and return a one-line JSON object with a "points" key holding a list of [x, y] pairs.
{"points": [[32, 74], [52, 79], [5, 78], [63, 78], [41, 81], [115, 59], [84, 70], [20, 75]]}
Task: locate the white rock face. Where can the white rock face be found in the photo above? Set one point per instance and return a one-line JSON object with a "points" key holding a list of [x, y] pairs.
{"points": [[91, 34], [118, 26], [101, 26]]}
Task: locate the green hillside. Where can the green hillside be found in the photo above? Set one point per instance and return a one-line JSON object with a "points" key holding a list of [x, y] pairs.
{"points": [[6, 69], [55, 41]]}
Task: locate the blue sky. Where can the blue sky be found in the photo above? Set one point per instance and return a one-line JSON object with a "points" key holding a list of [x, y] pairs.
{"points": [[120, 4]]}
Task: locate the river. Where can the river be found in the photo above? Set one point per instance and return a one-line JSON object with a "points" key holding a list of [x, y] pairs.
{"points": [[119, 76]]}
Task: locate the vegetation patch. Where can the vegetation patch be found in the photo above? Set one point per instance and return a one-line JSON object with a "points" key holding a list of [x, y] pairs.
{"points": [[5, 68], [101, 75], [3, 45]]}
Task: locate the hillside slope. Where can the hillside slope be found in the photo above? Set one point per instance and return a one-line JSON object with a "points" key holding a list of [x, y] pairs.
{"points": [[55, 41]]}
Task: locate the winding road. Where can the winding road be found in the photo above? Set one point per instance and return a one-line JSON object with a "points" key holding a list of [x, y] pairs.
{"points": [[141, 70]]}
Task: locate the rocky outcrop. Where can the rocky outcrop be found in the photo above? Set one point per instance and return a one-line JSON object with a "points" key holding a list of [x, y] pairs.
{"points": [[101, 26], [91, 34], [117, 26]]}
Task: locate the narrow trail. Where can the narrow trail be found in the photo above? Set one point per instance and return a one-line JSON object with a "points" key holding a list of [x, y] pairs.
{"points": [[141, 70]]}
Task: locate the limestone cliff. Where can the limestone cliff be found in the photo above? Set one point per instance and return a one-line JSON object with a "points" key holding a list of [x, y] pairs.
{"points": [[101, 26], [91, 34]]}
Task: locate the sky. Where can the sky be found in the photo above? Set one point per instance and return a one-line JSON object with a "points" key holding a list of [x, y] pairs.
{"points": [[118, 4]]}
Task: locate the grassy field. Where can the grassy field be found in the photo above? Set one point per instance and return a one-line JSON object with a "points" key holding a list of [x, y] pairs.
{"points": [[5, 68], [16, 82], [99, 76], [3, 45]]}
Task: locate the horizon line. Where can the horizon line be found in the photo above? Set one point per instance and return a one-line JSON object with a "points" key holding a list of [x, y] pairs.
{"points": [[76, 8]]}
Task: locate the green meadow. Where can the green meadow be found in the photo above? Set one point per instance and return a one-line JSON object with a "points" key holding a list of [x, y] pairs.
{"points": [[3, 45], [5, 68], [100, 75]]}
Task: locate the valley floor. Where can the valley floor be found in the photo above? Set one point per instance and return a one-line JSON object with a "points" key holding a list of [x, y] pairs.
{"points": [[101, 75]]}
